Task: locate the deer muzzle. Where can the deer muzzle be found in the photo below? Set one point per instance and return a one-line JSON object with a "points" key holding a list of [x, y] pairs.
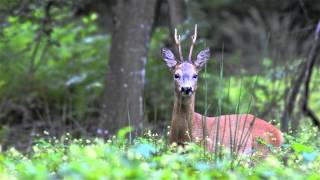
{"points": [[186, 91]]}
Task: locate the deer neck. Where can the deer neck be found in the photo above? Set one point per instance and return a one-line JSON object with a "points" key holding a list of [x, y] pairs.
{"points": [[182, 117]]}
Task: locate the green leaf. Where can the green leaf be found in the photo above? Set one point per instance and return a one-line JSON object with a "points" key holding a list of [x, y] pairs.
{"points": [[299, 148]]}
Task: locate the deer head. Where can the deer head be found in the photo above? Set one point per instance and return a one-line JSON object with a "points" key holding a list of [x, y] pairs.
{"points": [[185, 71]]}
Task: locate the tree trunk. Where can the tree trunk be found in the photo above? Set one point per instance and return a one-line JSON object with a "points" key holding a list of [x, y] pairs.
{"points": [[177, 12], [123, 95], [177, 15]]}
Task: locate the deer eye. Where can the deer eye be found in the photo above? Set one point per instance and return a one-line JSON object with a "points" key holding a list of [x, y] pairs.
{"points": [[195, 76], [177, 76]]}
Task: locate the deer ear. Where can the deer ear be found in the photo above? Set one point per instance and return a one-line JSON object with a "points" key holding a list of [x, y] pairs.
{"points": [[202, 58], [168, 57]]}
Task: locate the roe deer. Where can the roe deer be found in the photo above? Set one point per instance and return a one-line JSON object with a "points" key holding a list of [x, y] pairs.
{"points": [[242, 131]]}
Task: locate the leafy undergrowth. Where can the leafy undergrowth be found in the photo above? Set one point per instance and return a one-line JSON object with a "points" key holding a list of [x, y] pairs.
{"points": [[149, 157]]}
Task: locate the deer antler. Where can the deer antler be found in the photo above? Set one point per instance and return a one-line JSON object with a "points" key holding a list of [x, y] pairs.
{"points": [[193, 38], [177, 40]]}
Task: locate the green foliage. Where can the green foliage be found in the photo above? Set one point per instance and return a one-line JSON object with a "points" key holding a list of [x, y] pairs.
{"points": [[150, 157], [61, 70]]}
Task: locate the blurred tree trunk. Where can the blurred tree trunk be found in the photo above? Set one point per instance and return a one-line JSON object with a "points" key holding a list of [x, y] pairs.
{"points": [[177, 15], [123, 95], [177, 10]]}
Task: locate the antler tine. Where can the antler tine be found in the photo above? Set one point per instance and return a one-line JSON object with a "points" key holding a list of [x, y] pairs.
{"points": [[177, 39], [193, 38]]}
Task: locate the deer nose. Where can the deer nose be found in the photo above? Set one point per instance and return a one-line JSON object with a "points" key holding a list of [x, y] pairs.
{"points": [[186, 90]]}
